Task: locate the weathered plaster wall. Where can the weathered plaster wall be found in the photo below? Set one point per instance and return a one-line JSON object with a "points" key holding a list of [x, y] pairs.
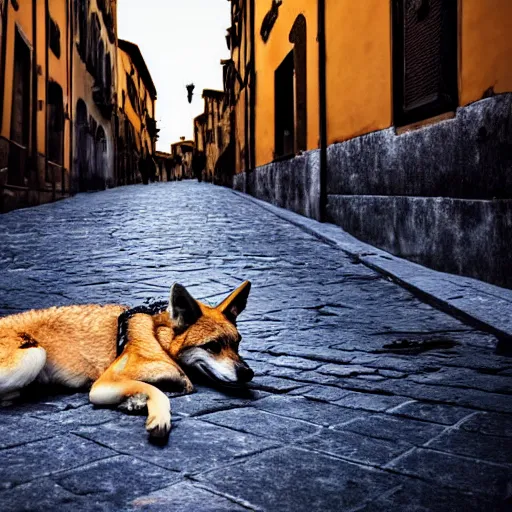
{"points": [[486, 47], [468, 237], [440, 195], [358, 46], [469, 156], [293, 184], [268, 58]]}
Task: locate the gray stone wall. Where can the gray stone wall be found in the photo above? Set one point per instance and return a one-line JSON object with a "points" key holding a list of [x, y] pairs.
{"points": [[461, 236], [469, 157], [293, 184], [440, 195]]}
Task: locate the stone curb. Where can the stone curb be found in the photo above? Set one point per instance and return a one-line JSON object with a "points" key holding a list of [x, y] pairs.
{"points": [[479, 304]]}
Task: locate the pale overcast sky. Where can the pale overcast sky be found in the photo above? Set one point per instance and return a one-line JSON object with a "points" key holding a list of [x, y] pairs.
{"points": [[182, 41]]}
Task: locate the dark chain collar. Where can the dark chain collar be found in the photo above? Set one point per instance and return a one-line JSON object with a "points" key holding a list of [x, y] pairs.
{"points": [[149, 308]]}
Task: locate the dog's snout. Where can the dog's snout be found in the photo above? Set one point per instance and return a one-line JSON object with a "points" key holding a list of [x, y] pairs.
{"points": [[244, 373]]}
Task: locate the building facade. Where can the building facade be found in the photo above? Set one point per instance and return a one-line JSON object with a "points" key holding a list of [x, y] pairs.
{"points": [[136, 129], [390, 118], [59, 95], [165, 166], [35, 92], [182, 154], [94, 64]]}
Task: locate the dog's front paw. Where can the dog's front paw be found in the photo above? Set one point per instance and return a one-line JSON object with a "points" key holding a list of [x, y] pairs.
{"points": [[134, 403], [187, 387], [159, 425]]}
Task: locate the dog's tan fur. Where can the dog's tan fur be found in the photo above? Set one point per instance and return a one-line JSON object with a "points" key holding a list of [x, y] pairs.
{"points": [[76, 346]]}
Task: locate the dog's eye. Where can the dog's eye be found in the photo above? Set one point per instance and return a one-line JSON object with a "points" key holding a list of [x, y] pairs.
{"points": [[213, 346]]}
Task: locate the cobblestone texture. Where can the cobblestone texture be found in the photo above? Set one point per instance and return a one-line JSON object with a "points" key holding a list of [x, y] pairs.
{"points": [[364, 397]]}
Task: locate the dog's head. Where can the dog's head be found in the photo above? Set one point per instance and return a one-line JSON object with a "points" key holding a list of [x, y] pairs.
{"points": [[206, 338]]}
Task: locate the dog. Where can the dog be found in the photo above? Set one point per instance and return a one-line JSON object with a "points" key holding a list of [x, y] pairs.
{"points": [[75, 346]]}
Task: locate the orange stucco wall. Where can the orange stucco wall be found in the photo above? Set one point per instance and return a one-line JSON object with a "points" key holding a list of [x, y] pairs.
{"points": [[23, 19], [359, 67], [359, 73], [124, 66], [486, 48], [268, 58], [59, 71]]}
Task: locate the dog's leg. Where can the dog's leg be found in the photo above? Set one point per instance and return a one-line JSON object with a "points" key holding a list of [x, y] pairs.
{"points": [[21, 361], [126, 382], [113, 392]]}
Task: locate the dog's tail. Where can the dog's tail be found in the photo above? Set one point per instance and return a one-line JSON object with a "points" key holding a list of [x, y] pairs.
{"points": [[21, 361]]}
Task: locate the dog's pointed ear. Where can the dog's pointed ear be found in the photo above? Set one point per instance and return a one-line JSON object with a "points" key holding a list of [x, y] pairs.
{"points": [[183, 308], [235, 303]]}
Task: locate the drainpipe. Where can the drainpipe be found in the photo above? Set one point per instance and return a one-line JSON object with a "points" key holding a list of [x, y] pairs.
{"points": [[323, 109], [47, 66], [246, 107], [35, 160], [252, 108], [71, 28], [5, 10]]}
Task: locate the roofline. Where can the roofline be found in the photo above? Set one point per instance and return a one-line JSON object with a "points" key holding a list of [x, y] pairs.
{"points": [[134, 52], [213, 93]]}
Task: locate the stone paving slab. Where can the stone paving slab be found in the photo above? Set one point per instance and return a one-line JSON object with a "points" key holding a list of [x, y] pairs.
{"points": [[365, 398]]}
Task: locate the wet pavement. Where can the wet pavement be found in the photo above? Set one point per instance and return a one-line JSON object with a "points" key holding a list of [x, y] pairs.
{"points": [[364, 397]]}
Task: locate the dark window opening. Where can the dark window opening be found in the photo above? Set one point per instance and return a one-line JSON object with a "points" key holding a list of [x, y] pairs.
{"points": [[132, 93], [54, 38], [20, 113], [108, 75], [284, 107], [219, 137], [424, 59], [82, 145], [82, 14], [100, 65], [100, 159], [55, 123], [209, 137], [298, 36]]}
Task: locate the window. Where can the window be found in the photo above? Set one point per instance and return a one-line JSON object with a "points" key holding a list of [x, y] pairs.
{"points": [[20, 113], [108, 76], [298, 36], [81, 145], [54, 37], [132, 93], [424, 59], [284, 107], [82, 10], [100, 159], [219, 137], [55, 123]]}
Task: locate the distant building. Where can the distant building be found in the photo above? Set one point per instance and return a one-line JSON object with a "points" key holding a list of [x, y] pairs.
{"points": [[199, 156], [60, 89], [137, 132], [182, 153], [94, 85], [213, 101], [165, 166], [214, 158], [35, 110]]}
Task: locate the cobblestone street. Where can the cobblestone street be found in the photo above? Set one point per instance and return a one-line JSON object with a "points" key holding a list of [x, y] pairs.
{"points": [[364, 397]]}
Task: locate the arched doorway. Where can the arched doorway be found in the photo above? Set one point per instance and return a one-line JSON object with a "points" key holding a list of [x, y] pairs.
{"points": [[81, 147], [100, 147]]}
